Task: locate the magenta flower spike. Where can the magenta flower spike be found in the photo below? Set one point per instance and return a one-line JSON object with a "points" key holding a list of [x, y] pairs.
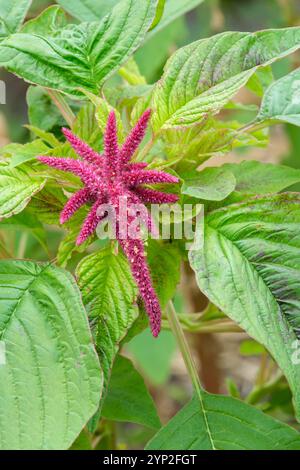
{"points": [[108, 178]]}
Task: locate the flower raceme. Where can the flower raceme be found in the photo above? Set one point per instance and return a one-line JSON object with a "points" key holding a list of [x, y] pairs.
{"points": [[108, 178]]}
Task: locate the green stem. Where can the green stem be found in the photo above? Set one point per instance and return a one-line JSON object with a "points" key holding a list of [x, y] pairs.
{"points": [[183, 346], [189, 323], [189, 363], [62, 105]]}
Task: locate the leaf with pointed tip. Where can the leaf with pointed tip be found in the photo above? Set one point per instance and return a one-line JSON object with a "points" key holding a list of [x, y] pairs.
{"points": [[249, 266], [79, 56], [12, 15], [17, 186], [223, 423], [281, 101], [200, 78], [51, 382], [128, 398]]}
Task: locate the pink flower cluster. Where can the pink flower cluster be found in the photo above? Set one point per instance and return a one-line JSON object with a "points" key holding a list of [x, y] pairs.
{"points": [[106, 179]]}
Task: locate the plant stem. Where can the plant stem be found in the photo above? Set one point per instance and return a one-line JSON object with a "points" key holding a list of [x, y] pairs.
{"points": [[62, 105], [183, 346], [190, 324], [189, 363]]}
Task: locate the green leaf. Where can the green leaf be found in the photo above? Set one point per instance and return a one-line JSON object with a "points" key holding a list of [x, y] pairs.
{"points": [[128, 398], [281, 101], [249, 266], [200, 78], [17, 186], [212, 184], [12, 15], [83, 55], [109, 294], [51, 381], [94, 10], [223, 423], [88, 10], [255, 178], [41, 110], [21, 153]]}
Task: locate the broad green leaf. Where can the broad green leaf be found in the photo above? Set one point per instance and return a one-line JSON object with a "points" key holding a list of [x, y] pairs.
{"points": [[88, 10], [83, 55], [153, 355], [17, 186], [42, 112], [172, 10], [200, 78], [12, 15], [21, 153], [128, 398], [51, 382], [254, 178], [213, 184], [110, 295], [28, 222], [223, 423], [249, 266], [281, 101]]}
